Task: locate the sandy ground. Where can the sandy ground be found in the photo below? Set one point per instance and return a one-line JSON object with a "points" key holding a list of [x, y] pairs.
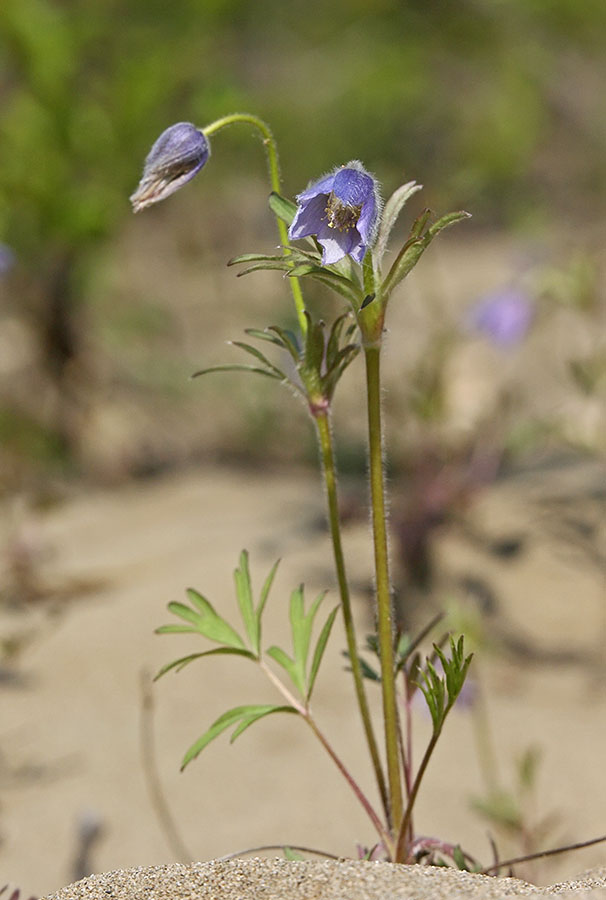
{"points": [[71, 746]]}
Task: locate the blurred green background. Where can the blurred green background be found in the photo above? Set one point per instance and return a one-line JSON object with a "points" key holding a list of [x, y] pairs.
{"points": [[496, 106]]}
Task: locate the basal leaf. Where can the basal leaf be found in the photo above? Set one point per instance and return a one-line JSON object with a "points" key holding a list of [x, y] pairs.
{"points": [[245, 601], [319, 651], [175, 629], [284, 660], [264, 595], [178, 664], [210, 623], [260, 713]]}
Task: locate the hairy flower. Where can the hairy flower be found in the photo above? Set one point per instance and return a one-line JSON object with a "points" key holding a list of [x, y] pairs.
{"points": [[341, 210], [504, 317], [178, 155]]}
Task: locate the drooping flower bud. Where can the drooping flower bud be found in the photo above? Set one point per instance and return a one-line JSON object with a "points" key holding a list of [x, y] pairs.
{"points": [[178, 155], [342, 210]]}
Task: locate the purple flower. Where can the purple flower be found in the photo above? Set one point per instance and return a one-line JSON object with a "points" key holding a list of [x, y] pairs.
{"points": [[178, 155], [7, 259], [342, 210], [504, 317]]}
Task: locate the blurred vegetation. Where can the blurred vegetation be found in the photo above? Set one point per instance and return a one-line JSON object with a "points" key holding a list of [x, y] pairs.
{"points": [[496, 105]]}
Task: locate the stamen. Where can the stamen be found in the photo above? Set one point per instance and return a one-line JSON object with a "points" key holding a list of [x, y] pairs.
{"points": [[341, 215]]}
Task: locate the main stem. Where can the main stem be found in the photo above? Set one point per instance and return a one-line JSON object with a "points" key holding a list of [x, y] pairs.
{"points": [[323, 428], [274, 177], [384, 612]]}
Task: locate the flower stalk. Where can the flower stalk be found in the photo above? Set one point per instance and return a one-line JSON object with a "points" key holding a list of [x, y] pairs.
{"points": [[383, 593], [323, 429], [273, 163]]}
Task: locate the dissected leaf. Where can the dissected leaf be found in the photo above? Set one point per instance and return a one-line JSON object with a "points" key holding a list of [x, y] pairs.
{"points": [[392, 210], [288, 664], [245, 715], [239, 367], [254, 257], [319, 651], [264, 595], [245, 601], [178, 664], [206, 620]]}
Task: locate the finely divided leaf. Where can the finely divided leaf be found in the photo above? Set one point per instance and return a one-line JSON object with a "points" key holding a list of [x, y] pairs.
{"points": [[205, 620], [319, 651], [178, 664], [245, 601], [392, 210], [244, 715]]}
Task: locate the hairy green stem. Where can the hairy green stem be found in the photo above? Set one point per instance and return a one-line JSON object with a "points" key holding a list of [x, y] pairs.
{"points": [[274, 177], [384, 612], [323, 428], [403, 835]]}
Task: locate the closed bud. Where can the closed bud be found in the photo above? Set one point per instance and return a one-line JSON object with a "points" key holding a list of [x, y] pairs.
{"points": [[178, 154]]}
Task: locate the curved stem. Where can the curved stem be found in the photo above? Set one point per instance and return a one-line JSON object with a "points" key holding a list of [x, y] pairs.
{"points": [[384, 612], [323, 428], [274, 177]]}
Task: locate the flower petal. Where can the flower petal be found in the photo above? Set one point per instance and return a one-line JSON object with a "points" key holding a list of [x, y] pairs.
{"points": [[308, 217], [177, 155]]}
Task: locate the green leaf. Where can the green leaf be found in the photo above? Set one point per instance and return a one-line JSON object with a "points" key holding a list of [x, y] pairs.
{"points": [[448, 220], [260, 714], [242, 714], [175, 629], [334, 338], [459, 859], [245, 601], [237, 367], [415, 246], [178, 664], [289, 340], [283, 265], [333, 280], [264, 336], [292, 855], [282, 208], [254, 257], [392, 210], [319, 651], [284, 660], [254, 351], [206, 620], [264, 595], [314, 344]]}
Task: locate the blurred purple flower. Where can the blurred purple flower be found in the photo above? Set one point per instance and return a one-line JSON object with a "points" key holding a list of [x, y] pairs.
{"points": [[342, 210], [504, 317], [7, 259], [178, 155]]}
